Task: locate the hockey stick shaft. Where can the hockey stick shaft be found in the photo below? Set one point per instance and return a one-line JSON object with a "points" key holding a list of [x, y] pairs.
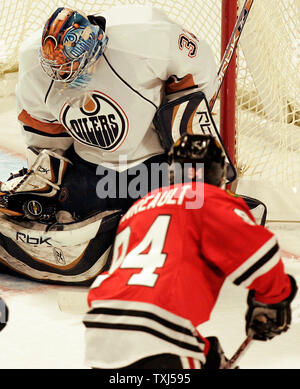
{"points": [[238, 353], [231, 47]]}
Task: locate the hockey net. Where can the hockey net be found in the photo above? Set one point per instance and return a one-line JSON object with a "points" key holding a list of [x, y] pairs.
{"points": [[267, 113]]}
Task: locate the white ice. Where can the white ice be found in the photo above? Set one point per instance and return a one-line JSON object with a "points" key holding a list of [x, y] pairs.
{"points": [[39, 335]]}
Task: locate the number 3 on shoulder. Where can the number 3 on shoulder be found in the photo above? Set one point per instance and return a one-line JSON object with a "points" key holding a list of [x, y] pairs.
{"points": [[189, 44], [148, 255]]}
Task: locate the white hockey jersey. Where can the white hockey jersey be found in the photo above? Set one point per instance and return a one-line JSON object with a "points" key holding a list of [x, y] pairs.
{"points": [[147, 60]]}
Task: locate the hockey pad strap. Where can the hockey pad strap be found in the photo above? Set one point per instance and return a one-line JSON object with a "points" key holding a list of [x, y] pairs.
{"points": [[265, 321], [191, 114]]}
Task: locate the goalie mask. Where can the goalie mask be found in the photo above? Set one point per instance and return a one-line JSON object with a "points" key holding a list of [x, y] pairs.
{"points": [[194, 150], [70, 45]]}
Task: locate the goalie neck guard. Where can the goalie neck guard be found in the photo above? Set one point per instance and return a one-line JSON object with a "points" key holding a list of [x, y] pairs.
{"points": [[70, 45], [191, 150]]}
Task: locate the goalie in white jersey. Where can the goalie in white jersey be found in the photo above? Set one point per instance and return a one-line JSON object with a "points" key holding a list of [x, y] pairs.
{"points": [[88, 91]]}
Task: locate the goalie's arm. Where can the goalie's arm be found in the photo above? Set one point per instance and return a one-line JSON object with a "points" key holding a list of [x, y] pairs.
{"points": [[192, 66], [43, 134], [40, 127]]}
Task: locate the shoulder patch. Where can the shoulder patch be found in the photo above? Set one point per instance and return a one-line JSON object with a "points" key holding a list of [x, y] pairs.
{"points": [[244, 216]]}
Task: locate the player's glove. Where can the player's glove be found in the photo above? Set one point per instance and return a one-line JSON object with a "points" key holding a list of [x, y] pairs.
{"points": [[3, 314], [264, 321]]}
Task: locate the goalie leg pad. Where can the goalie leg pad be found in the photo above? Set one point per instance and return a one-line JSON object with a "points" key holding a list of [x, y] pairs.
{"points": [[71, 253]]}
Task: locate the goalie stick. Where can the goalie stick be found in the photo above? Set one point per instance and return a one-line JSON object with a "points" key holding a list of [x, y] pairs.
{"points": [[231, 47], [228, 54]]}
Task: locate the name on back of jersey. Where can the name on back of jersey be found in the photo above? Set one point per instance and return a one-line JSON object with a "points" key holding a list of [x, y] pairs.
{"points": [[173, 196]]}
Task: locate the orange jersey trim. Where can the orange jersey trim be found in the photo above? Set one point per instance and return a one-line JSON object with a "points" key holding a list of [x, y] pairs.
{"points": [[172, 85], [48, 128]]}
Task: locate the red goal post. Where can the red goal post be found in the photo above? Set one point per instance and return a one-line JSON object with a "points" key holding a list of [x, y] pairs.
{"points": [[227, 92]]}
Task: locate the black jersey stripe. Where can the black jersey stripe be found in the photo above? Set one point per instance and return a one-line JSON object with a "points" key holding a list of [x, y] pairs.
{"points": [[48, 91], [139, 328], [258, 264], [146, 315]]}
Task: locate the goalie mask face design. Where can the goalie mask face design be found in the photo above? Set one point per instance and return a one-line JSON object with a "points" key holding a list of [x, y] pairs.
{"points": [[70, 45], [200, 149]]}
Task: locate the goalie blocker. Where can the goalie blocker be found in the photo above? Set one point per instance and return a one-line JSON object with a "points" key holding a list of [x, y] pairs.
{"points": [[191, 114]]}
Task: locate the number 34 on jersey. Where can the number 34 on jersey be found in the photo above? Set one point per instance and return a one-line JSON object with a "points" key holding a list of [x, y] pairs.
{"points": [[147, 256]]}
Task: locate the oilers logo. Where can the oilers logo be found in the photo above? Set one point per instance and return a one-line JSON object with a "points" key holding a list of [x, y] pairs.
{"points": [[98, 122]]}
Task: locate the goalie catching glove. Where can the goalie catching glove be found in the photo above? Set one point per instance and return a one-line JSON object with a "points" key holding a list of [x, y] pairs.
{"points": [[28, 193], [264, 321]]}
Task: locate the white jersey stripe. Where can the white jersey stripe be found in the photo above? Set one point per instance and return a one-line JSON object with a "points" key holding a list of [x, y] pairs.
{"points": [[185, 362], [152, 329], [252, 260], [190, 363], [127, 322], [141, 306], [262, 270]]}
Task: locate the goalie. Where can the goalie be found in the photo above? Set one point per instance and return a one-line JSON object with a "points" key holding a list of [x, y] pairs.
{"points": [[90, 89]]}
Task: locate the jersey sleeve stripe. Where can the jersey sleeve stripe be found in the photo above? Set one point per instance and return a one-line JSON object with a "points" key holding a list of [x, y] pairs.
{"points": [[267, 253], [42, 133], [48, 128], [272, 257]]}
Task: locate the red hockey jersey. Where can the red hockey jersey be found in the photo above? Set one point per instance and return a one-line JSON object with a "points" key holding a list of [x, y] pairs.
{"points": [[172, 254]]}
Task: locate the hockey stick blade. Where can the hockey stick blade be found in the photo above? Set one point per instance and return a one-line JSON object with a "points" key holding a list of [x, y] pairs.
{"points": [[232, 361]]}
